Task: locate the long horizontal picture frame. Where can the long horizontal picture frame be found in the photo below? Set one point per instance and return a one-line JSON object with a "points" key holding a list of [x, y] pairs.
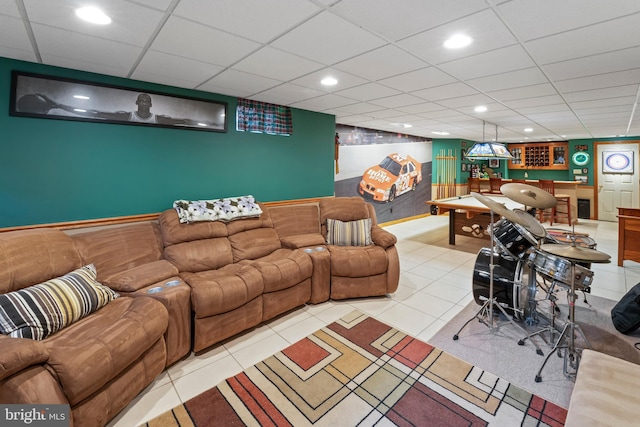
{"points": [[40, 96]]}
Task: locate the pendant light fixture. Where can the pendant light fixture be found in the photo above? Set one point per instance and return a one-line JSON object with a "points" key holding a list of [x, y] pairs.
{"points": [[489, 150]]}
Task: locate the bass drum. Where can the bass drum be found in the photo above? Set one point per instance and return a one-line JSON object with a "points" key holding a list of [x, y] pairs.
{"points": [[514, 284]]}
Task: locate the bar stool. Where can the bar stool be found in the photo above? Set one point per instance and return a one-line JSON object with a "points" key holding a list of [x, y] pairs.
{"points": [[494, 186], [564, 199], [474, 185]]}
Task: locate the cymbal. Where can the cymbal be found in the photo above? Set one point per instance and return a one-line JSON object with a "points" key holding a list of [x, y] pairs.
{"points": [[529, 195], [530, 223], [498, 208], [576, 253]]}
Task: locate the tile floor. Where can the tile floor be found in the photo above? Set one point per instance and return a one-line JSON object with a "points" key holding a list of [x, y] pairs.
{"points": [[435, 284]]}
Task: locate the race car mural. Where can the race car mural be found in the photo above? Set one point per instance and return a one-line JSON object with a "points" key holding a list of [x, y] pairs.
{"points": [[394, 176]]}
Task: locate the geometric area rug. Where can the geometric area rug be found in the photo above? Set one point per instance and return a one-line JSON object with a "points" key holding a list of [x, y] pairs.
{"points": [[358, 371]]}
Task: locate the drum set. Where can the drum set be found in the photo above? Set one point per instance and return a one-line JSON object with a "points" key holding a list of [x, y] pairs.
{"points": [[525, 258]]}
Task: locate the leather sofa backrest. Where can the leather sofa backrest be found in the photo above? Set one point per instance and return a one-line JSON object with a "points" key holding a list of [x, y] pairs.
{"points": [[197, 246], [292, 220], [29, 257], [116, 249], [343, 209], [253, 238]]}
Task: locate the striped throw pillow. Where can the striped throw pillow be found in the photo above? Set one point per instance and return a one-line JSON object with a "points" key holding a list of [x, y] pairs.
{"points": [[40, 310], [351, 233]]}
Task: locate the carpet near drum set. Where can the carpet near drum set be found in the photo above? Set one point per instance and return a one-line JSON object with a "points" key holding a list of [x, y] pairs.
{"points": [[360, 371]]}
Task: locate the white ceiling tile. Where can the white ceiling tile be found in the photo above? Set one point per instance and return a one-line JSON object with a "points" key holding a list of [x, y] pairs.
{"points": [[452, 90], [240, 83], [92, 67], [535, 101], [486, 29], [19, 54], [345, 80], [328, 39], [611, 92], [509, 80], [395, 101], [599, 81], [161, 5], [524, 92], [13, 34], [367, 92], [414, 15], [131, 23], [260, 21], [418, 79], [422, 108], [469, 101], [596, 103], [485, 64], [324, 102], [292, 93], [58, 43], [189, 39], [359, 108], [276, 64], [531, 20], [170, 66], [621, 33], [9, 8], [611, 62], [371, 66]]}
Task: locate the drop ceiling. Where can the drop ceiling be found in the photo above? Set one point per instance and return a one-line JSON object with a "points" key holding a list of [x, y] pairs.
{"points": [[567, 69]]}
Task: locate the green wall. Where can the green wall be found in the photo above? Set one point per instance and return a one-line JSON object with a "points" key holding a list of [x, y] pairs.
{"points": [[58, 170]]}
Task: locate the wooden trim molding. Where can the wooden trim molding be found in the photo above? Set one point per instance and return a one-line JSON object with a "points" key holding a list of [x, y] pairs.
{"points": [[70, 225]]}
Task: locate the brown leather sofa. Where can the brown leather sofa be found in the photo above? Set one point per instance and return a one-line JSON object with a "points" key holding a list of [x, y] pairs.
{"points": [[96, 365], [184, 287]]}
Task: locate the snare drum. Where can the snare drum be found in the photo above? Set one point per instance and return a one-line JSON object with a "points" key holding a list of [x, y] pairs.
{"points": [[559, 269], [513, 283], [564, 237], [512, 239]]}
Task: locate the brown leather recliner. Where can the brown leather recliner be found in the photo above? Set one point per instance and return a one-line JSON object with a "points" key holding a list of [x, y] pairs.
{"points": [[98, 364]]}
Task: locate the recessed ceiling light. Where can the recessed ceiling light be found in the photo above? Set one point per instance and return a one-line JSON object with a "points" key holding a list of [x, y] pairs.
{"points": [[440, 133], [457, 41], [81, 97], [407, 125], [93, 15], [528, 129], [329, 81], [480, 109]]}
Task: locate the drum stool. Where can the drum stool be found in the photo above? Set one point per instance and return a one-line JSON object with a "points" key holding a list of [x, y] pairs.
{"points": [[554, 213]]}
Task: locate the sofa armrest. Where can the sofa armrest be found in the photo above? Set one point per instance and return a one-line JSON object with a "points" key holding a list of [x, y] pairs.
{"points": [[302, 240], [20, 353], [382, 237], [142, 276]]}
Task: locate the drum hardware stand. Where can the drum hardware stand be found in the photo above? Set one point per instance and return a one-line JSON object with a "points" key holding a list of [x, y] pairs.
{"points": [[491, 302], [567, 339], [553, 310]]}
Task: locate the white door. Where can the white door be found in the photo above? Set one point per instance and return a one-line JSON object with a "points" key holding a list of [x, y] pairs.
{"points": [[616, 190]]}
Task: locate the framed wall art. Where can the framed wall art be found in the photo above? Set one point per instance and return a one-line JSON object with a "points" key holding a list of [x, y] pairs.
{"points": [[617, 162], [40, 96], [494, 163]]}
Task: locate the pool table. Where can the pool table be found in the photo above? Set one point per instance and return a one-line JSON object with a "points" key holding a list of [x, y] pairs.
{"points": [[468, 216]]}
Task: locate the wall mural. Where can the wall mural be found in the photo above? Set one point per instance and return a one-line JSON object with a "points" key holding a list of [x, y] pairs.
{"points": [[391, 171]]}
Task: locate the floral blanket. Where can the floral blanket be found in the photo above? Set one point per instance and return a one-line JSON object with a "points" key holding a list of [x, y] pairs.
{"points": [[227, 209]]}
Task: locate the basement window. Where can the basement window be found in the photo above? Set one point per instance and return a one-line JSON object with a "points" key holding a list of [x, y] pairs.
{"points": [[262, 117]]}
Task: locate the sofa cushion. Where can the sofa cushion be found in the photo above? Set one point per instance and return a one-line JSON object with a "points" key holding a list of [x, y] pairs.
{"points": [[87, 355], [252, 244], [302, 240], [220, 291], [353, 261], [174, 232], [141, 276], [200, 255], [116, 249], [40, 310], [350, 233], [283, 269], [29, 257], [293, 220]]}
